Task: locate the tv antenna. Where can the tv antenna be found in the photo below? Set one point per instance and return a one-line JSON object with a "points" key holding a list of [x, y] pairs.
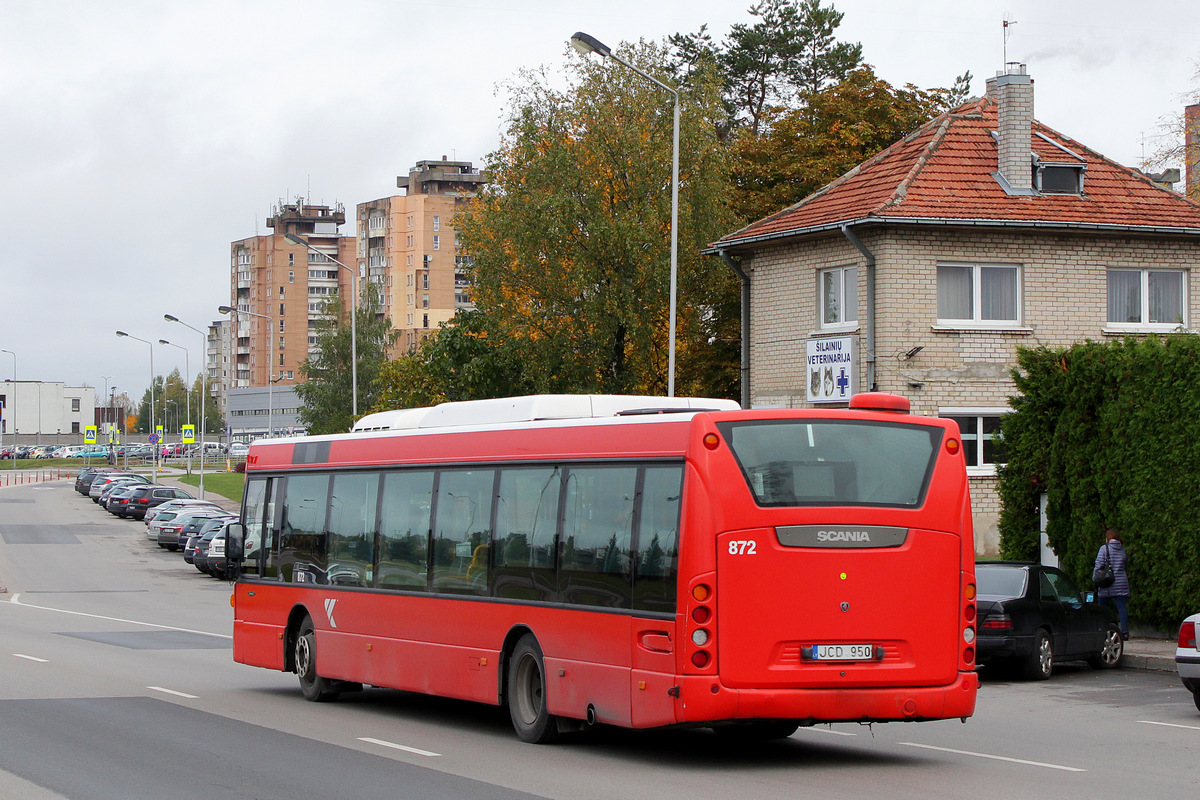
{"points": [[1008, 23]]}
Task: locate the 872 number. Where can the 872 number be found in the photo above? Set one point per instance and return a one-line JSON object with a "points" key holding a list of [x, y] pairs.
{"points": [[743, 547]]}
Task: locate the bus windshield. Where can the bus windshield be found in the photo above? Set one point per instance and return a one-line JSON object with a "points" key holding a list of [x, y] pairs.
{"points": [[834, 462]]}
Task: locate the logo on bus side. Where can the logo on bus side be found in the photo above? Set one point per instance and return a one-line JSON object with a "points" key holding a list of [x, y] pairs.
{"points": [[329, 604], [834, 536]]}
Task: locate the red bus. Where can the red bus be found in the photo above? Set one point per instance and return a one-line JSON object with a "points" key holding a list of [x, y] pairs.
{"points": [[638, 562]]}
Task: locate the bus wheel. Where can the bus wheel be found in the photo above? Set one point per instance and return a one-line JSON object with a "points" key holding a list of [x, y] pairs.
{"points": [[756, 731], [527, 694], [313, 686]]}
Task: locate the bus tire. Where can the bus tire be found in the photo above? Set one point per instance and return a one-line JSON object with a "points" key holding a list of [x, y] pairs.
{"points": [[314, 688], [764, 731], [526, 684]]}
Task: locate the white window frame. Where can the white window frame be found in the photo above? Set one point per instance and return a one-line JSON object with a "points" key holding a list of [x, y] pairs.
{"points": [[974, 321], [1144, 289], [841, 324], [981, 468]]}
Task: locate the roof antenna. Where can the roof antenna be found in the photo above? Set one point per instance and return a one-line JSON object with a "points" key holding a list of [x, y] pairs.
{"points": [[1004, 47]]}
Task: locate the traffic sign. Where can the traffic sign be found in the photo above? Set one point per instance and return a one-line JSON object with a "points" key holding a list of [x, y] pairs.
{"points": [[189, 434], [89, 434], [154, 438]]}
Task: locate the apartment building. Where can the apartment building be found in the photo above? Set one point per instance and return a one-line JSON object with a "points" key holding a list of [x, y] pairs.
{"points": [[923, 269], [279, 289], [409, 251]]}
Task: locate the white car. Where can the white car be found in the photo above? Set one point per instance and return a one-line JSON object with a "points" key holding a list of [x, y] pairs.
{"points": [[238, 450], [175, 505], [1187, 656]]}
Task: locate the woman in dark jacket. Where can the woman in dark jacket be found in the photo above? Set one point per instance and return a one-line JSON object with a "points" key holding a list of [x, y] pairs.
{"points": [[1112, 553]]}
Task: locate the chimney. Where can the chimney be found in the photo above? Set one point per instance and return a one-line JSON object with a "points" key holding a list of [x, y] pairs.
{"points": [[1191, 150], [1013, 91]]}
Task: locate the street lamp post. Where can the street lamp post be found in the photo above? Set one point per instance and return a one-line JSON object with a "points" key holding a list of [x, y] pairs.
{"points": [[12, 406], [150, 429], [585, 44], [187, 391], [203, 392], [294, 239], [270, 365], [104, 414]]}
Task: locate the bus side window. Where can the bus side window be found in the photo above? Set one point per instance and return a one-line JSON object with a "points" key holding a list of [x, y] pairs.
{"points": [[656, 561], [352, 528], [302, 554], [526, 525], [462, 525], [595, 564], [404, 525]]}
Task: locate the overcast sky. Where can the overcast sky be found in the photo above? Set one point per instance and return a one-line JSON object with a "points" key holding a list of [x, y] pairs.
{"points": [[138, 138]]}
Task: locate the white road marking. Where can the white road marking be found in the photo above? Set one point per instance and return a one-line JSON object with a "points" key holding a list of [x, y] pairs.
{"points": [[395, 746], [172, 691], [16, 600], [995, 758], [31, 658], [1170, 725]]}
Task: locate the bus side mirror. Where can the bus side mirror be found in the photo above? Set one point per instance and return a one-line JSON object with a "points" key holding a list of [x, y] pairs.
{"points": [[235, 539]]}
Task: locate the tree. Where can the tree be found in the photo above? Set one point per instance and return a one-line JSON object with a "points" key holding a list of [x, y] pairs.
{"points": [[327, 389], [1171, 140], [466, 359], [571, 239], [843, 125], [780, 61]]}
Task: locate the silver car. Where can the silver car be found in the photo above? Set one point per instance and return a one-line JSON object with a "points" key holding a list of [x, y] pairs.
{"points": [[1187, 656]]}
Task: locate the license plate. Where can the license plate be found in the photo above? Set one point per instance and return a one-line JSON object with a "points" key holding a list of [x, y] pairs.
{"points": [[843, 652]]}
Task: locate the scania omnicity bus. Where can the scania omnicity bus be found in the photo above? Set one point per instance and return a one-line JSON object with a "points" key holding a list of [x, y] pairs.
{"points": [[630, 561]]}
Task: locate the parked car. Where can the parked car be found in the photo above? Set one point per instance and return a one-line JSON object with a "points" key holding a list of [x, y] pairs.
{"points": [[1033, 615], [208, 526], [215, 562], [107, 490], [101, 482], [1187, 656], [238, 450], [176, 506], [85, 476], [200, 557], [146, 497], [169, 531], [113, 496], [196, 522]]}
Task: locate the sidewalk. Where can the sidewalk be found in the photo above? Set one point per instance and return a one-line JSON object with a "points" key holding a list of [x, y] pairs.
{"points": [[1158, 654]]}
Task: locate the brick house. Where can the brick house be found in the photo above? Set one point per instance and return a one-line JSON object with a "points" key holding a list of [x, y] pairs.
{"points": [[923, 269]]}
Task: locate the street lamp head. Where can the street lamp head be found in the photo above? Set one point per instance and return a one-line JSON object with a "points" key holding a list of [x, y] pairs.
{"points": [[170, 318], [294, 239], [225, 309], [583, 43], [163, 341]]}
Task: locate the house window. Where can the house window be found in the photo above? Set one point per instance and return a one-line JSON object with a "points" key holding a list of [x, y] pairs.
{"points": [[291, 276], [291, 259], [978, 294], [437, 242], [437, 223], [839, 296], [980, 429], [75, 404], [1149, 299]]}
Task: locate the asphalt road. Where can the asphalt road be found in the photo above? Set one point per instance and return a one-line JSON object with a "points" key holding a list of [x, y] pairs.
{"points": [[116, 681]]}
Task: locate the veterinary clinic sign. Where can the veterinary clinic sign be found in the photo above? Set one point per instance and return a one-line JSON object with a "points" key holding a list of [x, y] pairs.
{"points": [[831, 368]]}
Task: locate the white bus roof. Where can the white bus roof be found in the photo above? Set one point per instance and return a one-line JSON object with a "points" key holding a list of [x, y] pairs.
{"points": [[531, 408]]}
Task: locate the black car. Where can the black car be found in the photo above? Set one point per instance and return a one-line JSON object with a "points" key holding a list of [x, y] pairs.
{"points": [[1033, 615], [146, 497], [85, 476], [200, 523]]}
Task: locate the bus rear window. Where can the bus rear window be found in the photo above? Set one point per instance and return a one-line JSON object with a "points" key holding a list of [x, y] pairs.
{"points": [[834, 462]]}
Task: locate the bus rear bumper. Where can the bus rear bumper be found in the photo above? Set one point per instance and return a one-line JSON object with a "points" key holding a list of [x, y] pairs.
{"points": [[704, 699]]}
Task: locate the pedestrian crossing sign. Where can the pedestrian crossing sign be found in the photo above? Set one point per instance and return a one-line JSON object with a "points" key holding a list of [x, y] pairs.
{"points": [[189, 434], [89, 434]]}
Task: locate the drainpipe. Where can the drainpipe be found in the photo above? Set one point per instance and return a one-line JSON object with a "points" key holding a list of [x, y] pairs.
{"points": [[849, 233], [745, 278]]}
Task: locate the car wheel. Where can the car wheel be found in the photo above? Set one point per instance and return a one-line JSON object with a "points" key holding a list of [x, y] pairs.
{"points": [[527, 694], [1040, 662], [756, 731], [1114, 649], [315, 688], [1196, 699]]}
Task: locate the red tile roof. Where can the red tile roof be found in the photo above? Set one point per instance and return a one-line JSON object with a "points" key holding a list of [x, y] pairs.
{"points": [[942, 173]]}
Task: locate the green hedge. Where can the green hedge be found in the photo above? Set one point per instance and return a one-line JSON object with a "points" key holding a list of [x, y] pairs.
{"points": [[1111, 433]]}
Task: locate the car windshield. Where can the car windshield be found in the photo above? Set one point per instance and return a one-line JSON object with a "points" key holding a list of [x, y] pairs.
{"points": [[1003, 583]]}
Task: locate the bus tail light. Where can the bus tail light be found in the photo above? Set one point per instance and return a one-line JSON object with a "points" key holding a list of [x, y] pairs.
{"points": [[702, 616], [699, 637], [1187, 635], [700, 659]]}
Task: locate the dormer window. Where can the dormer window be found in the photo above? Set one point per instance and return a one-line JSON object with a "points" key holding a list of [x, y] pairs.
{"points": [[1058, 178]]}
